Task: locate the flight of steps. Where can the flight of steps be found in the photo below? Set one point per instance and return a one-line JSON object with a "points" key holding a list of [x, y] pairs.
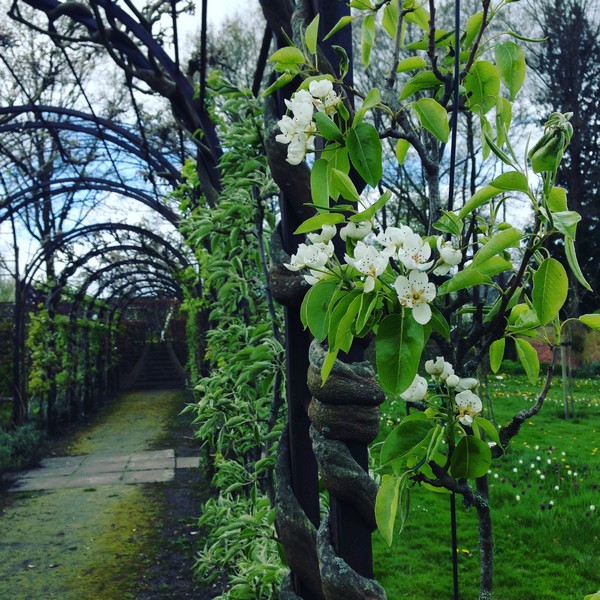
{"points": [[158, 371]]}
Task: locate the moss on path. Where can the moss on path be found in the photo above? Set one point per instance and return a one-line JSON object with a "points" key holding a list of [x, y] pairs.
{"points": [[102, 543]]}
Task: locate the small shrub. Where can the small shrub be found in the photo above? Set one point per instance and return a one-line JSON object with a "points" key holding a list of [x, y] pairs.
{"points": [[22, 447], [589, 371]]}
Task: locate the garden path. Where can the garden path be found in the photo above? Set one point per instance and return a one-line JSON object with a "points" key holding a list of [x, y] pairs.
{"points": [[74, 529]]}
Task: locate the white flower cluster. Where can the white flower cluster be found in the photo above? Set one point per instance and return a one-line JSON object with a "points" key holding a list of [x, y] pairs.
{"points": [[467, 403], [298, 129], [408, 249]]}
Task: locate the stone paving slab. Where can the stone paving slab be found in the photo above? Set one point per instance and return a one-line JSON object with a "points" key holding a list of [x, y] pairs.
{"points": [[103, 469]]}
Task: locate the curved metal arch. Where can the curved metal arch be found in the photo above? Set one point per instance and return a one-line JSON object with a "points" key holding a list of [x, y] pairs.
{"points": [[132, 144], [160, 72], [70, 270], [68, 185], [93, 277], [72, 235]]}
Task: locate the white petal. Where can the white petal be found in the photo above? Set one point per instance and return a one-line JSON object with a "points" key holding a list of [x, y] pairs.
{"points": [[369, 284], [422, 313]]}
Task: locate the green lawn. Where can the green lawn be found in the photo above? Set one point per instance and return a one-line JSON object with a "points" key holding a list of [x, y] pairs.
{"points": [[543, 494]]}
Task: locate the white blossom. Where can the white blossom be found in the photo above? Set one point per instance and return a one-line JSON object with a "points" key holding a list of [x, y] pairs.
{"points": [[415, 253], [452, 381], [312, 257], [392, 239], [416, 292], [320, 88], [467, 383], [469, 405], [416, 391], [369, 261], [436, 367], [449, 255], [327, 233], [356, 231]]}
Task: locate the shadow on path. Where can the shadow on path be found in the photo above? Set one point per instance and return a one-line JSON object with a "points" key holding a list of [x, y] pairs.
{"points": [[106, 539]]}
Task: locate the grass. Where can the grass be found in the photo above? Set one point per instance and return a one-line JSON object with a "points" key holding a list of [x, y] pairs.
{"points": [[545, 496]]}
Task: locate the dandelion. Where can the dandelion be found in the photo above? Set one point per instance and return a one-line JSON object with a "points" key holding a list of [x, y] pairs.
{"points": [[542, 477], [517, 497], [592, 508], [515, 470], [495, 475], [556, 488]]}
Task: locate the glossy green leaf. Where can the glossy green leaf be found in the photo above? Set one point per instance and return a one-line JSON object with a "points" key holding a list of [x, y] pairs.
{"points": [[550, 290], [510, 60], [566, 222], [438, 323], [494, 266], [288, 55], [389, 21], [345, 20], [512, 180], [406, 438], [402, 147], [367, 39], [365, 150], [462, 280], [341, 184], [411, 64], [471, 458], [557, 199], [318, 221], [449, 223], [368, 304], [507, 238], [574, 263], [480, 197], [398, 346], [497, 354], [280, 82], [591, 320], [489, 429], [421, 81], [433, 117], [528, 357], [345, 327], [483, 86], [319, 183], [386, 506], [503, 119], [372, 99], [369, 213], [473, 27], [314, 308], [311, 34], [416, 13], [327, 128]]}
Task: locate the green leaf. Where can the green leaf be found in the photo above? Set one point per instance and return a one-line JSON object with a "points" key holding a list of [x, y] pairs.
{"points": [[480, 197], [433, 117], [528, 357], [372, 99], [389, 21], [318, 221], [494, 265], [344, 333], [557, 199], [449, 223], [341, 184], [550, 290], [327, 128], [280, 82], [339, 25], [507, 238], [488, 428], [368, 303], [386, 506], [405, 439], [472, 458], [438, 322], [421, 81], [311, 34], [369, 213], [398, 346], [523, 318], [315, 306], [289, 54], [338, 323], [319, 183], [416, 13], [402, 147], [483, 86], [462, 280], [503, 119], [574, 263], [512, 180], [497, 354], [367, 39], [473, 26], [411, 64], [364, 147], [510, 60], [496, 148], [591, 320], [566, 222]]}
